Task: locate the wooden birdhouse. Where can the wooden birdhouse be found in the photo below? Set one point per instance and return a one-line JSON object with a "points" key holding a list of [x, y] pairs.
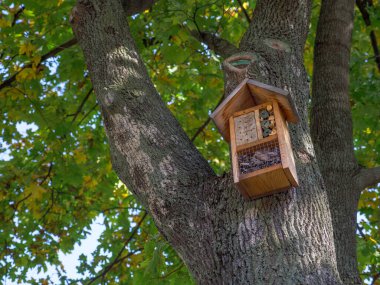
{"points": [[253, 119]]}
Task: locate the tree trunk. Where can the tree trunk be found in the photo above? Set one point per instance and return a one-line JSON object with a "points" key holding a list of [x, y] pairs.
{"points": [[286, 238], [333, 137]]}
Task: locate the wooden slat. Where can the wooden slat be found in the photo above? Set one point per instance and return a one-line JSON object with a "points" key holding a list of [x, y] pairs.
{"points": [[280, 134], [249, 110], [258, 125], [287, 158], [265, 183], [260, 171], [234, 158], [290, 168], [252, 144]]}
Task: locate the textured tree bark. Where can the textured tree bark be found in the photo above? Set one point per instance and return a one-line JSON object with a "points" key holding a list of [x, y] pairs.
{"points": [[285, 238], [333, 137]]}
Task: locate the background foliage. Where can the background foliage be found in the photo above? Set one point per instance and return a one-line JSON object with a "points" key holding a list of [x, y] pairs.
{"points": [[55, 171]]}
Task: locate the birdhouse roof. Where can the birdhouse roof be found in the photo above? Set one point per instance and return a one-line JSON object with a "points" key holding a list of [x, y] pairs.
{"points": [[247, 94]]}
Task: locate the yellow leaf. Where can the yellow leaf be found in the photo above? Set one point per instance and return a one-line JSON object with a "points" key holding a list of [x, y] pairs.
{"points": [[4, 23], [60, 2], [3, 195], [368, 131], [14, 94], [86, 179], [79, 156], [109, 167], [36, 61], [35, 190], [89, 182], [26, 74], [373, 240], [27, 48]]}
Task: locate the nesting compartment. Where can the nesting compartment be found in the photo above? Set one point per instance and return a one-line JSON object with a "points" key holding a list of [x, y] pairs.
{"points": [[262, 158]]}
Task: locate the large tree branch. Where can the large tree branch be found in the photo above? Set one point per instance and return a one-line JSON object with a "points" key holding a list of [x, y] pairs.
{"points": [[220, 46], [367, 177], [362, 5], [331, 128], [150, 152], [331, 122], [272, 24]]}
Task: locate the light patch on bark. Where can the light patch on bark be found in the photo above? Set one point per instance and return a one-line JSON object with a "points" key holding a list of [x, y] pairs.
{"points": [[159, 211], [167, 171], [109, 98], [251, 230]]}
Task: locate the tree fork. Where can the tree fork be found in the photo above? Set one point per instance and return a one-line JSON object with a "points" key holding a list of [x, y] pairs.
{"points": [[285, 238]]}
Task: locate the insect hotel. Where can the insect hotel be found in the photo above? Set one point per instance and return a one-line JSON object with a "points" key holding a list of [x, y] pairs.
{"points": [[253, 119]]}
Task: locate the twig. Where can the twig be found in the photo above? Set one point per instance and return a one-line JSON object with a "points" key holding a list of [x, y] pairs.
{"points": [[119, 208], [129, 255], [47, 175], [362, 5], [15, 206], [362, 234], [244, 11], [104, 271], [374, 278], [17, 15], [46, 56], [82, 104], [88, 113], [173, 271], [201, 128]]}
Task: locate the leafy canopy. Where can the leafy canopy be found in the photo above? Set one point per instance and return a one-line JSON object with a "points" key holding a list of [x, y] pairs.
{"points": [[56, 176]]}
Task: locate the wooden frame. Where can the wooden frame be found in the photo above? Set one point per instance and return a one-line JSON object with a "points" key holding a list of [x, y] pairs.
{"points": [[271, 179]]}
